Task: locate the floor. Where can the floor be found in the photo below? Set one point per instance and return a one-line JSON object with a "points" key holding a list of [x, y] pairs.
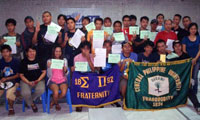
{"points": [[183, 113]]}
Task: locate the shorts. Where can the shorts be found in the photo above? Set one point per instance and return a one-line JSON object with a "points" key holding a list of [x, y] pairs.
{"points": [[51, 82]]}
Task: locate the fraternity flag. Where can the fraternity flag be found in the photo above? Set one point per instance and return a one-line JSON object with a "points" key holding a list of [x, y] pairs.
{"points": [[157, 85], [95, 90]]}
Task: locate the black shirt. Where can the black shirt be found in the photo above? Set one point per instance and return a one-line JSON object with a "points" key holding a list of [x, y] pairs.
{"points": [[85, 32], [179, 32], [32, 69], [44, 46], [156, 57], [139, 48], [71, 51], [182, 57], [26, 38], [143, 58]]}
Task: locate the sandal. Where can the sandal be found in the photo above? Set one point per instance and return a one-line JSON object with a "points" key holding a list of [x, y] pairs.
{"points": [[78, 109], [11, 112], [34, 108], [58, 108]]}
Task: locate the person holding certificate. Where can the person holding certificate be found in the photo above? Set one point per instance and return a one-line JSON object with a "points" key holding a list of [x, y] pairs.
{"points": [[84, 57], [98, 25], [126, 57], [139, 40], [12, 38], [57, 69], [44, 46]]}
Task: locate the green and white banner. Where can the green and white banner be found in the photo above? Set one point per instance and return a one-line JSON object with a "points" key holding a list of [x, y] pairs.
{"points": [[154, 86]]}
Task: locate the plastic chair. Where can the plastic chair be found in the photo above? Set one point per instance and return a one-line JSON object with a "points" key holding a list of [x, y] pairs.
{"points": [[68, 98], [43, 96], [68, 95]]}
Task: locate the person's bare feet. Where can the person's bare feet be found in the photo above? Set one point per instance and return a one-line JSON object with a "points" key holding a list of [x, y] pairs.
{"points": [[52, 104]]}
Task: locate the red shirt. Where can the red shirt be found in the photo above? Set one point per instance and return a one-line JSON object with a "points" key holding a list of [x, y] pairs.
{"points": [[126, 32], [164, 35]]}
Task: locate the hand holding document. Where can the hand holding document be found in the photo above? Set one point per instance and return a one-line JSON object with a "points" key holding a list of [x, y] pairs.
{"points": [[76, 39], [98, 38], [114, 58], [134, 30], [11, 41], [170, 44], [119, 37], [144, 34], [100, 57], [81, 66], [172, 55], [57, 64], [52, 32], [117, 48], [162, 57], [90, 26]]}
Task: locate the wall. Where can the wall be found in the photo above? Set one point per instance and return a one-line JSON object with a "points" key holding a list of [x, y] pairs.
{"points": [[18, 9]]}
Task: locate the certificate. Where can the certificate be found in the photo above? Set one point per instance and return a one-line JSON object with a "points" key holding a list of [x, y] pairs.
{"points": [[11, 41], [134, 30], [57, 64], [114, 58], [119, 37]]}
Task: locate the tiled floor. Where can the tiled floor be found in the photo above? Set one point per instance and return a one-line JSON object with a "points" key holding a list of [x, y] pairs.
{"points": [[184, 113]]}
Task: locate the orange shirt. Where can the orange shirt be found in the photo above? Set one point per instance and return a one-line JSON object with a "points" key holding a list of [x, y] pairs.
{"points": [[90, 34]]}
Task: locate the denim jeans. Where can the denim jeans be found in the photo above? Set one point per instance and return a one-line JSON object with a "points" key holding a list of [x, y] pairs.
{"points": [[195, 77]]}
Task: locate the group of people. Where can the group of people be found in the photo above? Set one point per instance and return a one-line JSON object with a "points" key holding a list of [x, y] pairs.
{"points": [[31, 64]]}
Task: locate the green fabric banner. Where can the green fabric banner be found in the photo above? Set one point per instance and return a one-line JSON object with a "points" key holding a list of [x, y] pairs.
{"points": [[154, 86]]}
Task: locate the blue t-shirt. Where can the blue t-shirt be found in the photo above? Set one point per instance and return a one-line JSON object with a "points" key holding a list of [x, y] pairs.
{"points": [[192, 47], [107, 67], [8, 69], [133, 56]]}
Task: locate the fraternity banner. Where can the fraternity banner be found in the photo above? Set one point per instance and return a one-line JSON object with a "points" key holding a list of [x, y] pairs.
{"points": [[95, 90], [154, 86]]}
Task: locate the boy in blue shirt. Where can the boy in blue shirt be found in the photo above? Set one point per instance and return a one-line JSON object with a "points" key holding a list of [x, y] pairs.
{"points": [[9, 73], [126, 57]]}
